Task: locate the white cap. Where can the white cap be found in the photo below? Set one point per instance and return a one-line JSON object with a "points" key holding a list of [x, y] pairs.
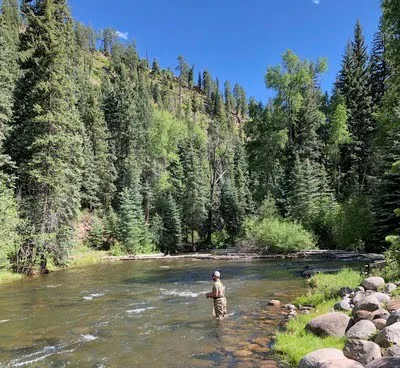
{"points": [[216, 273]]}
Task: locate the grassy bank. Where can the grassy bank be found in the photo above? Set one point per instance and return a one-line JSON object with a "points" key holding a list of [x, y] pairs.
{"points": [[295, 342]]}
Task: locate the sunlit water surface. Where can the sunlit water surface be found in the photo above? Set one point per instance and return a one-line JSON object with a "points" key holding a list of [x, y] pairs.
{"points": [[146, 314]]}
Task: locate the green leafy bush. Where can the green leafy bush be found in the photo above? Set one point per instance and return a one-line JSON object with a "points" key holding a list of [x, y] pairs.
{"points": [[392, 256], [275, 235]]}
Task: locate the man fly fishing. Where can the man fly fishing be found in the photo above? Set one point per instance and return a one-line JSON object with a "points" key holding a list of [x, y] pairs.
{"points": [[218, 294]]}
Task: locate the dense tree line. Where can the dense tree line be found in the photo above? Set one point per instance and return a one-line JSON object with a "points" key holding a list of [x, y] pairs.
{"points": [[159, 162]]}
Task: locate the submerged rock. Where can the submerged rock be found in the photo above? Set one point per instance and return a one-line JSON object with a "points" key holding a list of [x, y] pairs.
{"points": [[275, 303]]}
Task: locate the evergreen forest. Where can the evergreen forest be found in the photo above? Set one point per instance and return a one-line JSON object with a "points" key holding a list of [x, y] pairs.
{"points": [[102, 147]]}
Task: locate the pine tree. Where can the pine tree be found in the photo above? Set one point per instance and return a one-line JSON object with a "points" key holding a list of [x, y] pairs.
{"points": [[379, 68], [207, 83], [9, 40], [191, 77], [155, 68], [354, 86], [132, 229], [99, 165], [199, 82], [171, 232], [230, 211], [229, 100], [194, 197], [47, 137]]}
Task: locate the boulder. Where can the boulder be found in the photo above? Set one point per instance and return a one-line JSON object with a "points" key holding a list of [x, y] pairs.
{"points": [[345, 291], [360, 288], [369, 303], [362, 351], [379, 323], [361, 295], [343, 305], [393, 305], [393, 351], [362, 330], [393, 318], [330, 324], [390, 287], [381, 313], [388, 362], [389, 335], [373, 283], [275, 303], [362, 314], [382, 297], [328, 358]]}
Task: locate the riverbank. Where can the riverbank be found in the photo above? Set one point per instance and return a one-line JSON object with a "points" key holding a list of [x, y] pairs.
{"points": [[83, 256], [340, 293]]}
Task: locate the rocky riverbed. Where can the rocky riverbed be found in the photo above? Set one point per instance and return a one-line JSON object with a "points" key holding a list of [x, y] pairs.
{"points": [[372, 330]]}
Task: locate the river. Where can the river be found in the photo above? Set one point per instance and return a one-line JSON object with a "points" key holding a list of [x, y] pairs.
{"points": [[146, 314]]}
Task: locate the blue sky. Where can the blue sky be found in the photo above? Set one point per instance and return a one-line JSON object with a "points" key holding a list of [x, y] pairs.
{"points": [[235, 40]]}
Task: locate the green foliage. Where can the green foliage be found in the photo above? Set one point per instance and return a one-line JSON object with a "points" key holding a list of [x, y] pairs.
{"points": [[132, 230], [9, 236], [46, 141], [170, 239], [230, 210], [392, 256], [95, 236], [325, 287], [353, 223], [275, 235]]}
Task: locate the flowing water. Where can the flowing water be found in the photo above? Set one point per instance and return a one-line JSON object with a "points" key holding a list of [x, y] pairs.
{"points": [[146, 314]]}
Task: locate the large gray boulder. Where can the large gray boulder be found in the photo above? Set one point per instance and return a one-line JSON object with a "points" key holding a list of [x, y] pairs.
{"points": [[369, 303], [390, 287], [382, 313], [362, 351], [361, 314], [362, 330], [373, 283], [379, 323], [343, 305], [330, 324], [393, 351], [389, 362], [393, 318], [389, 335], [328, 358], [382, 297]]}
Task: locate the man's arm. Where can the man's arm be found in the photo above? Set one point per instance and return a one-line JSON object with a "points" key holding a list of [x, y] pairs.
{"points": [[216, 293]]}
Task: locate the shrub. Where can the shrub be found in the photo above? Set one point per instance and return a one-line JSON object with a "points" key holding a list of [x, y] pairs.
{"points": [[392, 256], [275, 235]]}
